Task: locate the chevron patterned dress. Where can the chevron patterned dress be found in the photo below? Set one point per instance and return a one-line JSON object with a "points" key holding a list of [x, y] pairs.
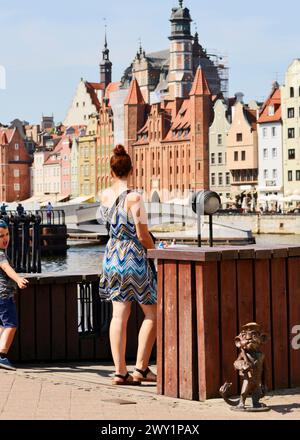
{"points": [[127, 275]]}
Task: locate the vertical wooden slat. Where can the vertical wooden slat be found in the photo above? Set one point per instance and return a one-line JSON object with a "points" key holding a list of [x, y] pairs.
{"points": [[171, 329], [279, 322], [86, 348], [160, 327], [245, 292], [263, 313], [27, 324], [43, 324], [72, 321], [228, 322], [187, 352], [294, 318], [58, 321], [208, 329]]}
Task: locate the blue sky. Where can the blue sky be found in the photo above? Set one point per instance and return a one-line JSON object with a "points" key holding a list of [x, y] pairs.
{"points": [[46, 47]]}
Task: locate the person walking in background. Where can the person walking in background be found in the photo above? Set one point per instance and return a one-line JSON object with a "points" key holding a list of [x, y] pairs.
{"points": [[127, 275], [20, 209], [3, 209], [49, 213], [9, 279]]}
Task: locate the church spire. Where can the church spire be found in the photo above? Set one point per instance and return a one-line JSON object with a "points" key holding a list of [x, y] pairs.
{"points": [[180, 3], [105, 65]]}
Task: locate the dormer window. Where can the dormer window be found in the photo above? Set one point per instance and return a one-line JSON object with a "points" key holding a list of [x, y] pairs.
{"points": [[271, 110]]}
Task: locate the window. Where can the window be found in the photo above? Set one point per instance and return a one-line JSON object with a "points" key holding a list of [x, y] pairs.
{"points": [[239, 137], [291, 112], [219, 139], [219, 158], [171, 170], [236, 156], [291, 154], [16, 146], [212, 158], [274, 173], [83, 104], [265, 153], [298, 175], [273, 131], [17, 187], [292, 93], [228, 179], [290, 176], [265, 132], [213, 179], [291, 133], [170, 154], [243, 155], [16, 173], [17, 158], [271, 110], [220, 178], [274, 153], [266, 174]]}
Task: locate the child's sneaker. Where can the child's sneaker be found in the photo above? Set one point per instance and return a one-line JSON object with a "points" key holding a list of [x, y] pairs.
{"points": [[4, 363]]}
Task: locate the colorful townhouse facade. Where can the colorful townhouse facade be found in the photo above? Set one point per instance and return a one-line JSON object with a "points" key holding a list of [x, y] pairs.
{"points": [[15, 163], [290, 102], [270, 151], [242, 151], [219, 173]]}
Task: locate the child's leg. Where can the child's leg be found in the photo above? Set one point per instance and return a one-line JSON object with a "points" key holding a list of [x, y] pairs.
{"points": [[6, 339], [8, 316]]}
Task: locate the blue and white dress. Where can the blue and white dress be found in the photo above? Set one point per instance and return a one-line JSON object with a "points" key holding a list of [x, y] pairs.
{"points": [[127, 275]]}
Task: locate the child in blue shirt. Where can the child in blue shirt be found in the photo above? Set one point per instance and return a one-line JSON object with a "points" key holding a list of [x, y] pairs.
{"points": [[9, 279]]}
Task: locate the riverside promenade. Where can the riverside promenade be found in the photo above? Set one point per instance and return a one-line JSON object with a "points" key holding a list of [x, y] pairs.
{"points": [[83, 391]]}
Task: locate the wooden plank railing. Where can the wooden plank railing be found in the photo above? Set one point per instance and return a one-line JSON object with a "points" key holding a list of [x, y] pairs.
{"points": [[205, 295], [49, 318]]}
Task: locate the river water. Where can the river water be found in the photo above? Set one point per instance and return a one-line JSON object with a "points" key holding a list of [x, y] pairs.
{"points": [[87, 257]]}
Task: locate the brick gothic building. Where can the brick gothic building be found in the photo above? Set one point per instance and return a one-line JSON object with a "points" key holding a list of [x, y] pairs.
{"points": [[15, 165], [168, 141]]}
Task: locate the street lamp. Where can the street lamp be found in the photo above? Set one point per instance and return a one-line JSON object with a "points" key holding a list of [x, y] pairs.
{"points": [[205, 202]]}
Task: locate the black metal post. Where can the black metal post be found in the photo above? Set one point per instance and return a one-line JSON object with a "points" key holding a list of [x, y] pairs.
{"points": [[211, 241], [199, 224]]}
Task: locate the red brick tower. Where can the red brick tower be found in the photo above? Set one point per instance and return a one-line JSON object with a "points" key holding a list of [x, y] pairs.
{"points": [[201, 113], [135, 109]]}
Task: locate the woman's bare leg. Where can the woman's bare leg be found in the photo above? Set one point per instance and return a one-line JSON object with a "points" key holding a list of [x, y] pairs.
{"points": [[147, 336], [117, 334]]}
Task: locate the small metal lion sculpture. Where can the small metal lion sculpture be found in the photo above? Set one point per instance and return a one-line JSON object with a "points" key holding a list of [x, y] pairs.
{"points": [[249, 364]]}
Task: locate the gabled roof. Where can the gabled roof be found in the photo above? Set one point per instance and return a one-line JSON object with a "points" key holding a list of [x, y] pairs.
{"points": [[134, 96], [251, 117], [273, 100], [6, 135], [200, 84], [92, 90]]}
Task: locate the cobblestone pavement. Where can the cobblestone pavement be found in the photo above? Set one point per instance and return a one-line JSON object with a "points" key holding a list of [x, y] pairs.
{"points": [[84, 392]]}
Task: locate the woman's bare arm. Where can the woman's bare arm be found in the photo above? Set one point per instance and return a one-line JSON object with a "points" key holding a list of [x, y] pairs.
{"points": [[136, 205]]}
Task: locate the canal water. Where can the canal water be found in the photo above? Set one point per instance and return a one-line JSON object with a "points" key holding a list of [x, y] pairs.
{"points": [[87, 257]]}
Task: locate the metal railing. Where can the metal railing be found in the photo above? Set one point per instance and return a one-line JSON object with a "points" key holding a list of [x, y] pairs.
{"points": [[24, 248]]}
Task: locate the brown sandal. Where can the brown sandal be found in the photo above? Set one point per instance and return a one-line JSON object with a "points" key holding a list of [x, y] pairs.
{"points": [[127, 379], [144, 373]]}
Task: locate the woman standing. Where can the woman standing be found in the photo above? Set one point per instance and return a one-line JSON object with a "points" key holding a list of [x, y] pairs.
{"points": [[127, 274]]}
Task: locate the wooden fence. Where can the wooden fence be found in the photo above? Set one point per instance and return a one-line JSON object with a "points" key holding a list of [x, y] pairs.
{"points": [[205, 295], [50, 311]]}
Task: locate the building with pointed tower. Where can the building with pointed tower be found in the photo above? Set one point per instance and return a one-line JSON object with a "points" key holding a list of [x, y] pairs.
{"points": [[170, 73], [88, 95], [168, 141]]}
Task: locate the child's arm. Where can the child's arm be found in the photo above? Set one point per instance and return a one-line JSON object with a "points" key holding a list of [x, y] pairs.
{"points": [[21, 282]]}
